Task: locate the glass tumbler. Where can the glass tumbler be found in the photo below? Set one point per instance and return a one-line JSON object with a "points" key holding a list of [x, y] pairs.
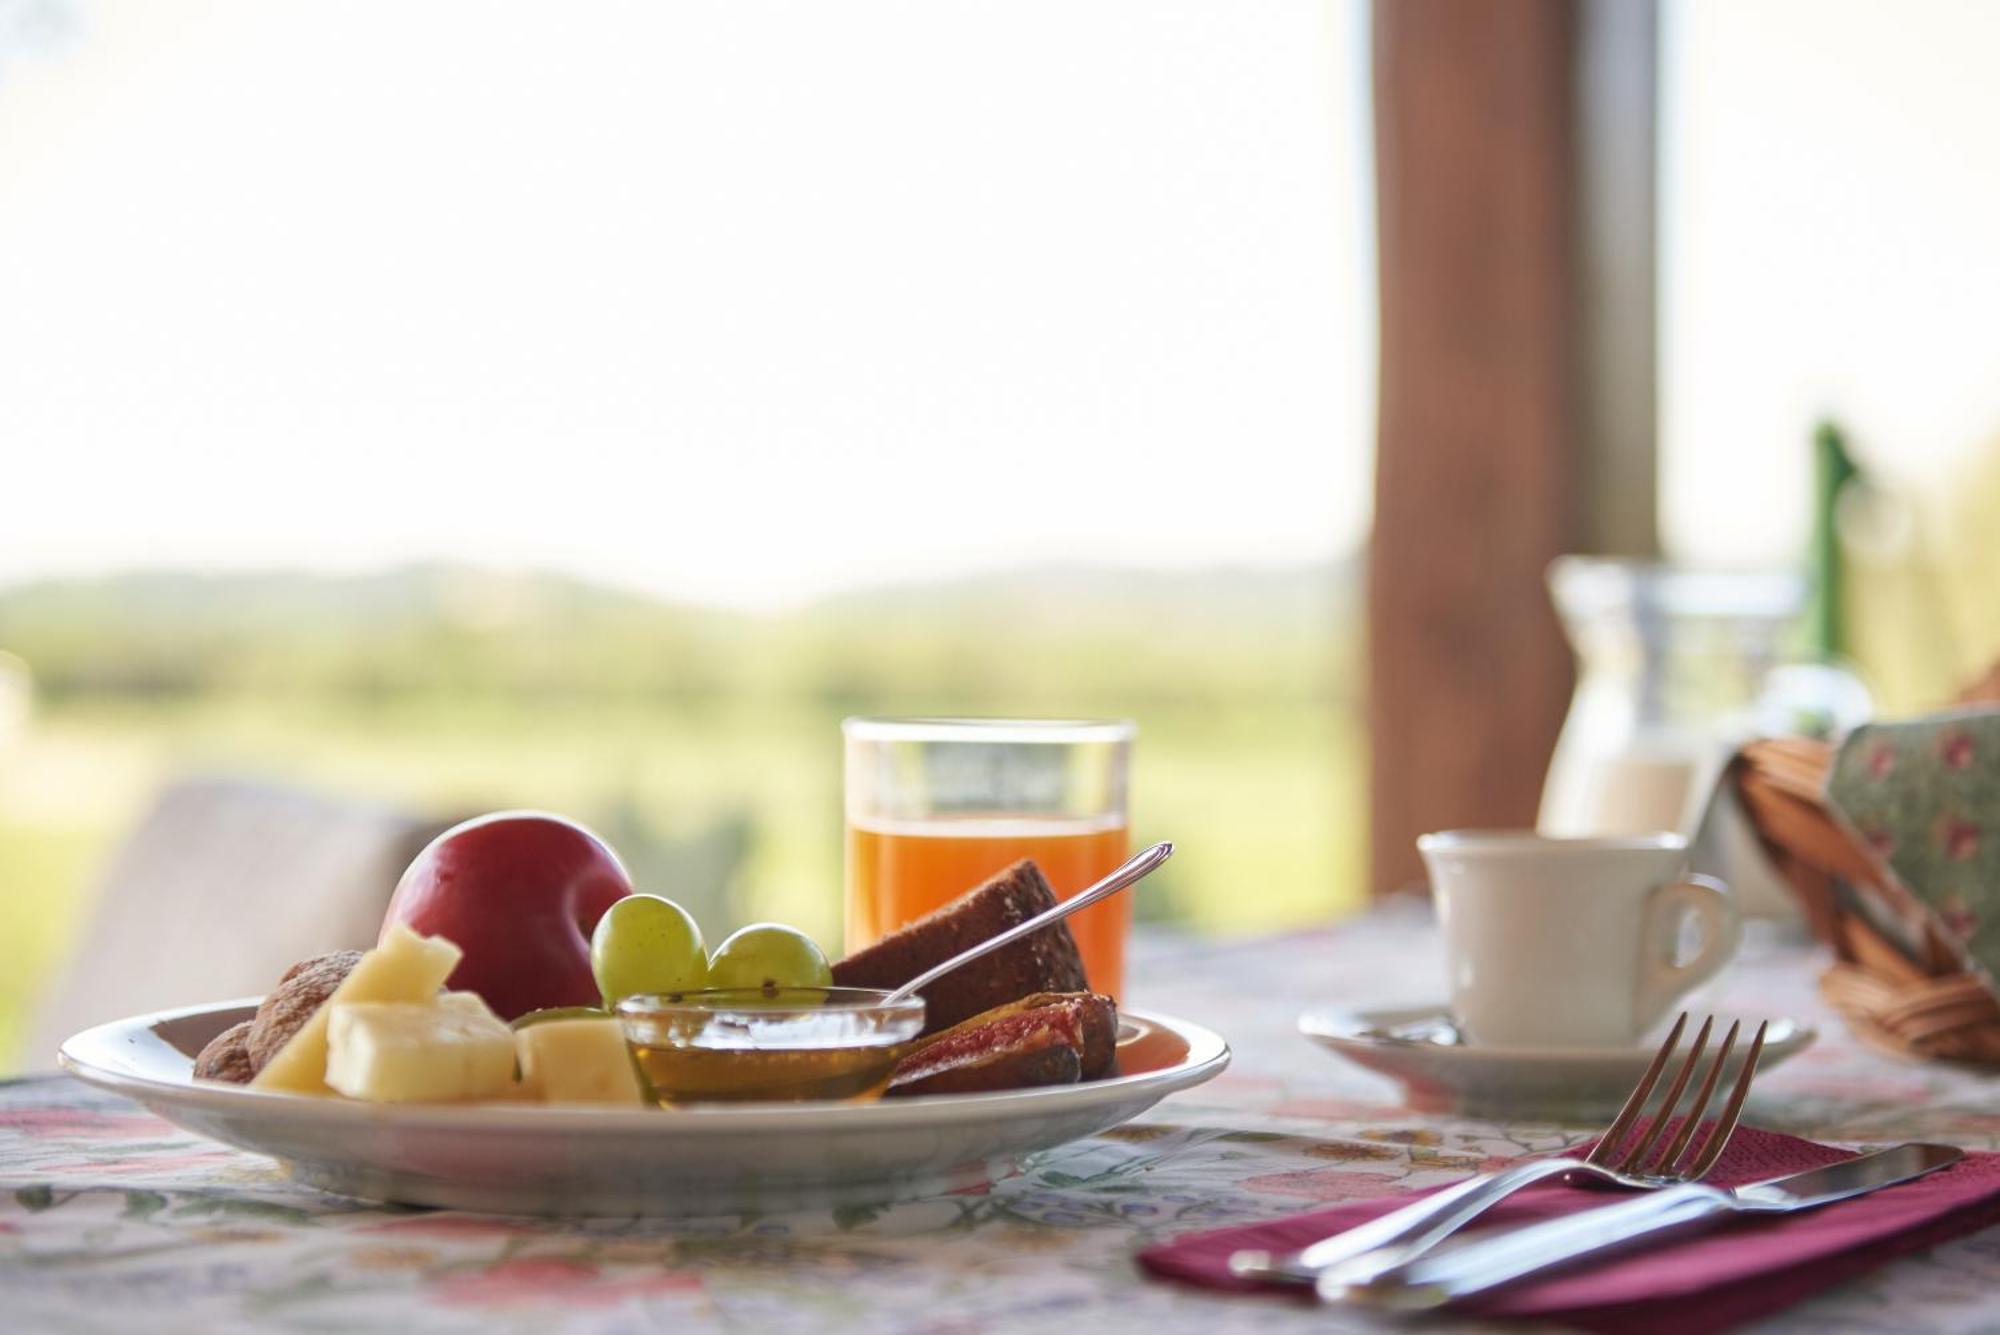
{"points": [[935, 806]]}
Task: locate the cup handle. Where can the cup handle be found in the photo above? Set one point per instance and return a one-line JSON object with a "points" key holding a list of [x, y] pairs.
{"points": [[1664, 981]]}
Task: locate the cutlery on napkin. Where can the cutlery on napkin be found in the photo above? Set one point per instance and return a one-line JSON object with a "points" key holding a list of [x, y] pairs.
{"points": [[1493, 1261], [1687, 1285]]}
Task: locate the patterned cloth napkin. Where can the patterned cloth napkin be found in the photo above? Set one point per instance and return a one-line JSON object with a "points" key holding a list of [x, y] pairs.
{"points": [[1925, 796], [1734, 1272]]}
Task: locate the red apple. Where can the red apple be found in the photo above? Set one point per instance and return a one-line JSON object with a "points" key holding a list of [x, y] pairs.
{"points": [[519, 892]]}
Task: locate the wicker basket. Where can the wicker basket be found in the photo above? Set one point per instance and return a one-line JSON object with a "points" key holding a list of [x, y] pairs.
{"points": [[1927, 1007]]}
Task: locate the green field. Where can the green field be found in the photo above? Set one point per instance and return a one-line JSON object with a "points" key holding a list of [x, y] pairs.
{"points": [[719, 788]]}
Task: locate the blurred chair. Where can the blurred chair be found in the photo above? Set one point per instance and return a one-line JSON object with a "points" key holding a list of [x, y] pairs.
{"points": [[223, 886]]}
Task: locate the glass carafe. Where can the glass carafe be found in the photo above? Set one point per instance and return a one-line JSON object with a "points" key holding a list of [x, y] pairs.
{"points": [[1670, 663]]}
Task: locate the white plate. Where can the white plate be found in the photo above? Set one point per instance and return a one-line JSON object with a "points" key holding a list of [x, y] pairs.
{"points": [[1440, 1072], [527, 1159]]}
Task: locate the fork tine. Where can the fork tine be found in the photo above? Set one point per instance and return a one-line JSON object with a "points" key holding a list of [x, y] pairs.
{"points": [[1725, 1125], [1636, 1160], [1692, 1122], [1607, 1144]]}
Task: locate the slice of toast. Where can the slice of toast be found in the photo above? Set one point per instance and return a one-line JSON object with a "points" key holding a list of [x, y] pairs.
{"points": [[1045, 962]]}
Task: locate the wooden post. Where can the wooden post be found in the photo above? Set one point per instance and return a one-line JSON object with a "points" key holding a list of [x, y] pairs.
{"points": [[1616, 88], [1478, 471]]}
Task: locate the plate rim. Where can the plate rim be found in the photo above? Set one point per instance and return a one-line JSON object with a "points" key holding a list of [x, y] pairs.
{"points": [[1208, 1056]]}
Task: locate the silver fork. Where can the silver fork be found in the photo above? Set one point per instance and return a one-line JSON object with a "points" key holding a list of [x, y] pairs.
{"points": [[1359, 1254]]}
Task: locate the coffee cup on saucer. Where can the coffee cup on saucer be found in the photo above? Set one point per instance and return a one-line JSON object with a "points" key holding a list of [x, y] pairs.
{"points": [[1572, 943]]}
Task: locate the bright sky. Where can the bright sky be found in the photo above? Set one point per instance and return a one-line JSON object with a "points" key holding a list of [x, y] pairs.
{"points": [[744, 300], [734, 299]]}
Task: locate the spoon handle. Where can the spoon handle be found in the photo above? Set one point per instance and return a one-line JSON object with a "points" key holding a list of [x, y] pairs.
{"points": [[1136, 867]]}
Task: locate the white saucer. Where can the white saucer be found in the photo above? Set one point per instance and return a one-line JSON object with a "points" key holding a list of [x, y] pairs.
{"points": [[541, 1159], [1443, 1073]]}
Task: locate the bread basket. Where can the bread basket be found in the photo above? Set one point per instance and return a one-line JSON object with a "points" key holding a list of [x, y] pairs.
{"points": [[1898, 979]]}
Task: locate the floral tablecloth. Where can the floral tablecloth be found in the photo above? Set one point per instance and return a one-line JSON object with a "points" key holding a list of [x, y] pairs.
{"points": [[113, 1221]]}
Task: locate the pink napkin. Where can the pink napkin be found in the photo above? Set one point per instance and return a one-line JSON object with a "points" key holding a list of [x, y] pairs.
{"points": [[1736, 1271]]}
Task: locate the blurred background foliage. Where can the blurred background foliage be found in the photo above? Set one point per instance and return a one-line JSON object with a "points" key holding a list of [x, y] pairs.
{"points": [[704, 744], [1925, 583]]}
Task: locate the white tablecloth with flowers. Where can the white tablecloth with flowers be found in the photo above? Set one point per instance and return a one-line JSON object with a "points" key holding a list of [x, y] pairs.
{"points": [[111, 1220]]}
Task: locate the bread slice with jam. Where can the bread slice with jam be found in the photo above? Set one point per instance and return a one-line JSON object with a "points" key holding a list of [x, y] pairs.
{"points": [[1046, 1039]]}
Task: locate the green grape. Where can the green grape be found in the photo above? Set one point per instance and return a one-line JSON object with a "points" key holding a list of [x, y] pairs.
{"points": [[643, 944], [766, 954]]}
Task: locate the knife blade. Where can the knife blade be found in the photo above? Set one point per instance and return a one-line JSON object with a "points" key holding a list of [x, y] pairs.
{"points": [[1490, 1262], [1850, 1177]]}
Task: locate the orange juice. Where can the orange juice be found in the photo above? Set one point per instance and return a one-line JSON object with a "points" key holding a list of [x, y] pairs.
{"points": [[898, 871]]}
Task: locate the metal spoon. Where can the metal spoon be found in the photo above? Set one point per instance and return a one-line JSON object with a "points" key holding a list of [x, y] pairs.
{"points": [[1137, 867]]}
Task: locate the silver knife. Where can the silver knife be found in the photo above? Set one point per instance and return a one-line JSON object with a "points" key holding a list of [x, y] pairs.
{"points": [[1431, 1281]]}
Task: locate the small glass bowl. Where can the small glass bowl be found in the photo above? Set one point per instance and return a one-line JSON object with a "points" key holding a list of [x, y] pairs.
{"points": [[764, 1045]]}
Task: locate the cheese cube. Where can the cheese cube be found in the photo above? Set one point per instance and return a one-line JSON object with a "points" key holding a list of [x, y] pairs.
{"points": [[448, 1049], [404, 967], [578, 1061]]}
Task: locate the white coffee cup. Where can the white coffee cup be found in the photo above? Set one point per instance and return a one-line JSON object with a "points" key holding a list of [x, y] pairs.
{"points": [[1571, 943]]}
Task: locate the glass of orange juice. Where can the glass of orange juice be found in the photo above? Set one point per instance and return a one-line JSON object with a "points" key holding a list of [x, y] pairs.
{"points": [[935, 806]]}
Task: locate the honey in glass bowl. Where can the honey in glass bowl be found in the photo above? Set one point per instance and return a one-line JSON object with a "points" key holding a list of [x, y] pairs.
{"points": [[769, 1045]]}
